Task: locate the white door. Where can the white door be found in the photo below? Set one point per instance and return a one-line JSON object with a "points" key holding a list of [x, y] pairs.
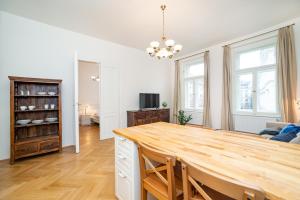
{"points": [[109, 109], [76, 103]]}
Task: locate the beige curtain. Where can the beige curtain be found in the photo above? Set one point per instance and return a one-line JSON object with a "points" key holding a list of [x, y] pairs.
{"points": [[287, 74], [227, 118], [206, 106], [177, 91]]}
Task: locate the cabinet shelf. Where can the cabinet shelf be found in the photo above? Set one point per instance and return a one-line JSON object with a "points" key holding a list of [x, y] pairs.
{"points": [[41, 124], [26, 96], [35, 110]]}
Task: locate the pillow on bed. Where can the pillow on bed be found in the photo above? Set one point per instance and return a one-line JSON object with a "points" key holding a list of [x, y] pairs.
{"points": [[288, 133]]}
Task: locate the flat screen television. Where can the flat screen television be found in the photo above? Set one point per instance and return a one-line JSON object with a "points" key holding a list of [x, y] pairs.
{"points": [[149, 100]]}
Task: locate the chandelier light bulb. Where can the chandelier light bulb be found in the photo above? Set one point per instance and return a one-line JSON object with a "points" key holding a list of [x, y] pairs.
{"points": [[158, 54], [154, 44], [178, 47], [164, 53], [170, 43], [150, 50], [95, 78]]}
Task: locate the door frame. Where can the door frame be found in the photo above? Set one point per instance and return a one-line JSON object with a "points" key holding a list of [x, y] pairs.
{"points": [[76, 95]]}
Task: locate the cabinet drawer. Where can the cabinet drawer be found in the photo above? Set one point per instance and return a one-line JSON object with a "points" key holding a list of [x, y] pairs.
{"points": [[139, 115], [124, 143], [123, 186], [123, 151], [22, 150], [49, 145], [124, 163], [138, 122]]}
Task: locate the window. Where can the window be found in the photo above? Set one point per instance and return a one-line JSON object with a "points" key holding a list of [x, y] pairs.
{"points": [[193, 85], [255, 80]]}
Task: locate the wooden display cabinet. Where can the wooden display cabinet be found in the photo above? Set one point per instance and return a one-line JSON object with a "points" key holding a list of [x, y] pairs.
{"points": [[33, 139]]}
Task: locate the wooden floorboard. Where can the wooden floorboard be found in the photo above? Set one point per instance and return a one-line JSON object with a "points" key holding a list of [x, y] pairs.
{"points": [[66, 175]]}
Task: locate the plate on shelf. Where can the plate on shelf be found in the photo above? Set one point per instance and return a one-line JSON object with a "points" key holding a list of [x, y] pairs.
{"points": [[23, 121], [51, 119], [38, 121], [41, 93], [51, 93]]}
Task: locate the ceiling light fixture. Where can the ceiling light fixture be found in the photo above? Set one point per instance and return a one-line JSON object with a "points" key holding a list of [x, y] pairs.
{"points": [[95, 78], [170, 47]]}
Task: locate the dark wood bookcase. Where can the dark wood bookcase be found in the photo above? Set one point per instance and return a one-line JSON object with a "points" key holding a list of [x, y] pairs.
{"points": [[33, 139]]}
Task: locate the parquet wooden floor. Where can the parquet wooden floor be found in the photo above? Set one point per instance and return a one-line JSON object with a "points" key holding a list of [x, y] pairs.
{"points": [[63, 176]]}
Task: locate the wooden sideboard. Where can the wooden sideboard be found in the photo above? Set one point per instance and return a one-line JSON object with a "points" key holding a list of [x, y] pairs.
{"points": [[140, 117]]}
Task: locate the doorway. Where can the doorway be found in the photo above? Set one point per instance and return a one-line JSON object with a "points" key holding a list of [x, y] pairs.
{"points": [[88, 101], [108, 81]]}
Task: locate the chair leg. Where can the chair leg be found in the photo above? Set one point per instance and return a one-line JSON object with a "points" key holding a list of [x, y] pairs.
{"points": [[144, 194], [185, 183]]}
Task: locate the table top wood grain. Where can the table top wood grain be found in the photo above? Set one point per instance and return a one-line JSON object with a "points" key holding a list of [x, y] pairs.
{"points": [[270, 165]]}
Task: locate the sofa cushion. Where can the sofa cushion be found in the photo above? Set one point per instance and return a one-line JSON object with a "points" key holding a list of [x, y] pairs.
{"points": [[269, 131], [266, 136], [288, 133], [296, 140]]}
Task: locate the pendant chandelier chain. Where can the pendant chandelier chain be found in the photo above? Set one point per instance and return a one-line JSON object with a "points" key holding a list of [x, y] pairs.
{"points": [[163, 8]]}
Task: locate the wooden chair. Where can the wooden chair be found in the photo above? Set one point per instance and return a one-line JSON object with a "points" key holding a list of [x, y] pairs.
{"points": [[158, 178], [202, 185]]}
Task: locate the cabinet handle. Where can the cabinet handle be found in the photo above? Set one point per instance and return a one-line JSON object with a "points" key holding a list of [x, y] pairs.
{"points": [[122, 175], [121, 157]]}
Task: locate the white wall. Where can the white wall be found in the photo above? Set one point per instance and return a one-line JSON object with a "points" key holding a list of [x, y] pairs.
{"points": [[88, 96], [242, 123], [30, 48]]}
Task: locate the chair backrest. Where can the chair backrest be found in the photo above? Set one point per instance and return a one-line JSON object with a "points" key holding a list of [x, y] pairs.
{"points": [[200, 178], [163, 162]]}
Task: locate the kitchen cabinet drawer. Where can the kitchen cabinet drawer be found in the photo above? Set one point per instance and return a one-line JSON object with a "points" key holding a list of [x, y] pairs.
{"points": [[123, 186], [124, 163], [127, 176], [123, 143], [123, 151]]}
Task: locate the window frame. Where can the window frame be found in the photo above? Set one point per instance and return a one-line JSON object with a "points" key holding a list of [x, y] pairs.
{"points": [[237, 72], [184, 65]]}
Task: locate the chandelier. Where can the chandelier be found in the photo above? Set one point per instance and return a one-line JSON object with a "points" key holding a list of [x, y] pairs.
{"points": [[170, 47]]}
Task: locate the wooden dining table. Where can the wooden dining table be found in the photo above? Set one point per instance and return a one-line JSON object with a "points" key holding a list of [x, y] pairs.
{"points": [[272, 166]]}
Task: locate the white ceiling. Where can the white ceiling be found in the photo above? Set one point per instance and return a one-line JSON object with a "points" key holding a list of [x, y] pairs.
{"points": [[195, 24]]}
